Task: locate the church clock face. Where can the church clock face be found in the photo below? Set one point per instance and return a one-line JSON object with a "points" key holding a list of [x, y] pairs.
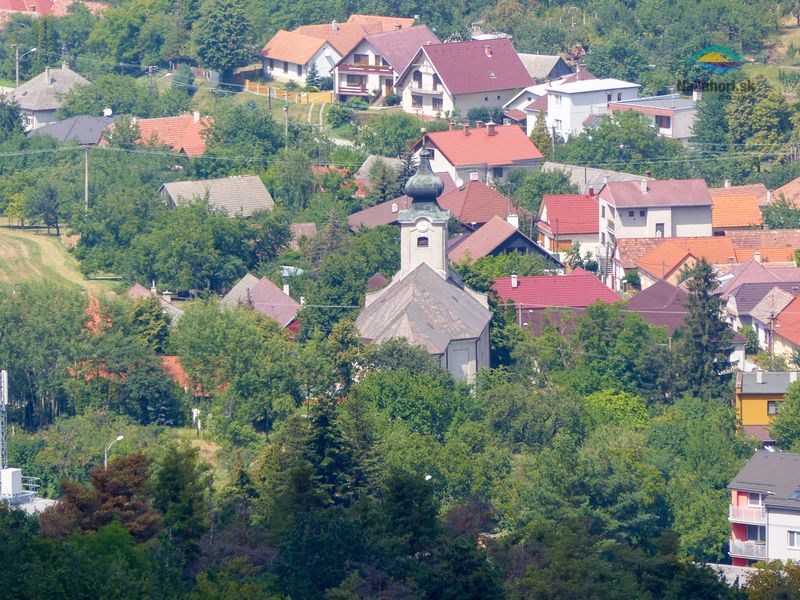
{"points": [[423, 226]]}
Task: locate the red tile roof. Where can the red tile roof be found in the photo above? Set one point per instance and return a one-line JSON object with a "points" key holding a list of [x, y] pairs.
{"points": [[569, 214], [759, 190], [787, 325], [182, 134], [269, 300], [476, 202], [579, 289], [484, 241], [398, 47], [172, 366], [734, 210], [53, 8], [478, 66], [507, 145], [660, 192], [540, 104], [790, 191]]}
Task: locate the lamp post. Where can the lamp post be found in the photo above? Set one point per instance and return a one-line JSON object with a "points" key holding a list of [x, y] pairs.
{"points": [[108, 449], [18, 57]]}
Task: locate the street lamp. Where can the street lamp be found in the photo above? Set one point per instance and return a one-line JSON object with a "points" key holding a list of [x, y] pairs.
{"points": [[18, 56], [108, 449]]}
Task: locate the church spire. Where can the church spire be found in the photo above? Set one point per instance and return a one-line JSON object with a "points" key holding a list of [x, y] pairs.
{"points": [[424, 185]]}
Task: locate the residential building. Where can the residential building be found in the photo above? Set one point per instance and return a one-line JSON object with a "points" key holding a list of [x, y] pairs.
{"points": [[363, 175], [566, 219], [39, 98], [758, 397], [474, 203], [786, 330], [536, 298], [498, 236], [759, 190], [138, 292], [451, 79], [590, 179], [372, 67], [664, 305], [49, 8], [765, 509], [84, 130], [488, 150], [789, 191], [672, 115], [289, 54], [650, 209], [764, 314], [240, 195], [536, 98], [733, 209], [183, 134], [743, 300], [266, 298], [544, 67], [571, 105], [426, 303]]}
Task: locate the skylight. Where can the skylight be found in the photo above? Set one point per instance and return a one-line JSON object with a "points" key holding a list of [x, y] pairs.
{"points": [[795, 495]]}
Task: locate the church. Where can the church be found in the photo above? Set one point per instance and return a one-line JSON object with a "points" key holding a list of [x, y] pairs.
{"points": [[426, 302]]}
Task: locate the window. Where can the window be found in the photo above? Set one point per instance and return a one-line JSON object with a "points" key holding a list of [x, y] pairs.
{"points": [[794, 539], [436, 82], [557, 99], [772, 407], [438, 104], [756, 533], [416, 101], [299, 69], [557, 125], [356, 81], [271, 64], [642, 213], [360, 59], [603, 210], [631, 213], [417, 77], [498, 97], [285, 67], [486, 98], [384, 62], [619, 96], [754, 499], [497, 172], [663, 122], [432, 153], [603, 237], [608, 97], [422, 242], [659, 230]]}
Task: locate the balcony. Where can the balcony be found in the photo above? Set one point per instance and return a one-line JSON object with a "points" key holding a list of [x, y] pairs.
{"points": [[610, 225], [418, 89], [751, 550], [352, 90], [747, 514], [366, 70]]}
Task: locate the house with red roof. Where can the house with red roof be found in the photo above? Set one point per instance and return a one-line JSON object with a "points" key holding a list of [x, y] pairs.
{"points": [[564, 219], [489, 151], [536, 296], [263, 296], [450, 79], [289, 54], [184, 134], [372, 67], [497, 236]]}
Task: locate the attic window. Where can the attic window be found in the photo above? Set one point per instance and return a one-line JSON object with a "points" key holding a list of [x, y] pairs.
{"points": [[795, 495], [492, 75]]}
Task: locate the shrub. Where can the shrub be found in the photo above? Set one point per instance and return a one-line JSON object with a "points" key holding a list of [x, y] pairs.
{"points": [[338, 115], [325, 83], [356, 103], [392, 100], [291, 86]]}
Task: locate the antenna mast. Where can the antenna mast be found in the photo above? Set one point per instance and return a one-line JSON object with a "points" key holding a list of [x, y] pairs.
{"points": [[3, 419]]}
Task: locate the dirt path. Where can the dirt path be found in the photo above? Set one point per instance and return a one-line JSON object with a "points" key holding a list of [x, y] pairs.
{"points": [[27, 255]]}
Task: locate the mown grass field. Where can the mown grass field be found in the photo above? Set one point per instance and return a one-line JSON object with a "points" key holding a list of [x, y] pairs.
{"points": [[30, 255]]}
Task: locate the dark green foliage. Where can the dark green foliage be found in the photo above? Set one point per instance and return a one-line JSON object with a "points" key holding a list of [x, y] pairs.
{"points": [[618, 57], [485, 115], [223, 35]]}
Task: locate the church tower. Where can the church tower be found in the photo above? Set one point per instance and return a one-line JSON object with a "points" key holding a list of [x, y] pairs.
{"points": [[423, 225]]}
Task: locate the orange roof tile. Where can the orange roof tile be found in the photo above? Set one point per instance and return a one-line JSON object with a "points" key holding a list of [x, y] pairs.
{"points": [[483, 241], [476, 202], [182, 134], [508, 145], [790, 191], [757, 189], [787, 325], [292, 46], [663, 259], [734, 210]]}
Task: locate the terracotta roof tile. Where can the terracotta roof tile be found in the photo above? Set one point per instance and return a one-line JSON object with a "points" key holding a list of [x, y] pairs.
{"points": [[399, 46], [771, 238], [579, 289], [486, 239], [478, 66], [573, 214], [629, 250], [292, 46], [787, 325], [508, 145], [734, 210], [759, 190], [476, 202], [183, 133], [790, 191]]}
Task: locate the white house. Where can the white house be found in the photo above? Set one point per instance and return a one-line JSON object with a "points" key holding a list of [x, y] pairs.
{"points": [[571, 106], [289, 54], [373, 66], [672, 115], [451, 79], [40, 97], [765, 509]]}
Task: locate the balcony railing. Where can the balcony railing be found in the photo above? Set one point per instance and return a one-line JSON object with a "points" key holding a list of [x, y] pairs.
{"points": [[418, 89], [747, 514], [365, 69], [754, 550], [352, 90]]}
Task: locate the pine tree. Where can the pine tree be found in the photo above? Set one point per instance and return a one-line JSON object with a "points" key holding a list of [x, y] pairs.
{"points": [[541, 138], [703, 341], [312, 75]]}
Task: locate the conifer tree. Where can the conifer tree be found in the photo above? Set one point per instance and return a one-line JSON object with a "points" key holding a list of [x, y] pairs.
{"points": [[541, 138]]}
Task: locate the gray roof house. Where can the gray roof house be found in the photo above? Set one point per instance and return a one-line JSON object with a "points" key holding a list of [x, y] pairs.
{"points": [[543, 67], [263, 296], [86, 130], [239, 195], [40, 97], [590, 178]]}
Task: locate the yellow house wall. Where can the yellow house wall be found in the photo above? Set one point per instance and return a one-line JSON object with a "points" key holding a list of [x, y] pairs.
{"points": [[752, 409], [782, 347]]}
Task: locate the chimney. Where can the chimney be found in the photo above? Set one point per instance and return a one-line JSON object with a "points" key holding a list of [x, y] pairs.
{"points": [[605, 179], [490, 128], [166, 295], [479, 124], [64, 65], [590, 191], [792, 376], [514, 281], [731, 260], [648, 174], [488, 50], [394, 207], [196, 117], [33, 8], [466, 129], [759, 376], [644, 186], [334, 25], [452, 125], [757, 256], [697, 95], [727, 183], [794, 292], [153, 289], [769, 196], [473, 176], [513, 219], [47, 76], [286, 288]]}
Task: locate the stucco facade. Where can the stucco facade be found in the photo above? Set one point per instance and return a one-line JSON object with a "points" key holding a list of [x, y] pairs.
{"points": [[567, 111], [363, 72], [325, 59]]}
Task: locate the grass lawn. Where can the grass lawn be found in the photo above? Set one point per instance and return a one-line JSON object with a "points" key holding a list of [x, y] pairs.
{"points": [[29, 255], [208, 453]]}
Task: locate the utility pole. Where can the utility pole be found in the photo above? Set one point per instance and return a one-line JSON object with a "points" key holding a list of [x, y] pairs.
{"points": [[553, 141], [286, 123], [16, 63], [86, 177], [150, 80]]}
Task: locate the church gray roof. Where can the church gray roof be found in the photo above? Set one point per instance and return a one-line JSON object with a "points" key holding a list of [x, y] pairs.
{"points": [[425, 309]]}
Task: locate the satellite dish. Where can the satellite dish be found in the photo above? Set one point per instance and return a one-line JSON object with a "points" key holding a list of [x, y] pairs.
{"points": [[459, 183], [107, 112]]}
